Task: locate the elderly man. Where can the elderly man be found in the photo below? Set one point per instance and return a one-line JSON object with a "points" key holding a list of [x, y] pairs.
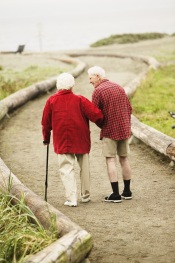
{"points": [[68, 115], [116, 129]]}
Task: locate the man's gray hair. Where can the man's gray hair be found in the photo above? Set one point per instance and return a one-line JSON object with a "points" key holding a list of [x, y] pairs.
{"points": [[96, 70], [65, 81]]}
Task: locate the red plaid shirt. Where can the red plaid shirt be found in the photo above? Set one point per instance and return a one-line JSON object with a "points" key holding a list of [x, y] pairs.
{"points": [[116, 108]]}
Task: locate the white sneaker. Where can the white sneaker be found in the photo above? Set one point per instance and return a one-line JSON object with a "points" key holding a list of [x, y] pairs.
{"points": [[85, 200], [69, 203]]}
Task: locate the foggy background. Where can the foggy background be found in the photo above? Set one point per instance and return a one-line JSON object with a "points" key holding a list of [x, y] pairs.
{"points": [[50, 25]]}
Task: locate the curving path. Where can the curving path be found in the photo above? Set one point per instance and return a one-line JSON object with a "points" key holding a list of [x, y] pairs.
{"points": [[139, 230]]}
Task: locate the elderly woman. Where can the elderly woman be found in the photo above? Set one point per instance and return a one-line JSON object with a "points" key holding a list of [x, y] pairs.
{"points": [[67, 115]]}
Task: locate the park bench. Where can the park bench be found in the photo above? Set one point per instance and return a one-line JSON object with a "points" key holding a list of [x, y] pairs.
{"points": [[20, 49]]}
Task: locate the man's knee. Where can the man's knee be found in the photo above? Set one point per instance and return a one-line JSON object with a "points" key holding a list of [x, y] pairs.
{"points": [[123, 159]]}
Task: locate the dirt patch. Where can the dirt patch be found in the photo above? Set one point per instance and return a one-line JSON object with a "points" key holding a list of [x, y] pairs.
{"points": [[137, 230]]}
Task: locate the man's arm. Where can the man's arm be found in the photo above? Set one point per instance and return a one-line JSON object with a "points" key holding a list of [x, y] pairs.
{"points": [[92, 112]]}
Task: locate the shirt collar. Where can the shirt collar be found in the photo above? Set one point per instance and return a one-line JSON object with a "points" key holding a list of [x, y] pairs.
{"points": [[103, 80]]}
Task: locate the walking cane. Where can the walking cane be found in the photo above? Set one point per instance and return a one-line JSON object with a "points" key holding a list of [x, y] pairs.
{"points": [[46, 181]]}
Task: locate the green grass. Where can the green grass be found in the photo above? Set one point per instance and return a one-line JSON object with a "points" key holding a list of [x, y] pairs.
{"points": [[12, 81], [127, 38], [21, 234], [167, 57], [155, 98]]}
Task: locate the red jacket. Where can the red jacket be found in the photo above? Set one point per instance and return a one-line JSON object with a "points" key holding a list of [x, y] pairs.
{"points": [[68, 115]]}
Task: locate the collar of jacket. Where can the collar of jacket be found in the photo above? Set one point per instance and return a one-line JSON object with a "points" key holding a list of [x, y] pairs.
{"points": [[64, 91]]}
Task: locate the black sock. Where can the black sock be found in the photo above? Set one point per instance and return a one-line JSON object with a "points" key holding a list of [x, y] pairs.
{"points": [[126, 185], [115, 188]]}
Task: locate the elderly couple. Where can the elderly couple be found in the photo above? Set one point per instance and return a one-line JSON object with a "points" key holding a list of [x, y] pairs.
{"points": [[67, 115]]}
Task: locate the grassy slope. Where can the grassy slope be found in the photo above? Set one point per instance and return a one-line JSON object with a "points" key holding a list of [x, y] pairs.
{"points": [[11, 80], [155, 98]]}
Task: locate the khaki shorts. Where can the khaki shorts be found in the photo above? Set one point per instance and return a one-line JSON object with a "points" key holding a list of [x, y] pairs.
{"points": [[111, 148]]}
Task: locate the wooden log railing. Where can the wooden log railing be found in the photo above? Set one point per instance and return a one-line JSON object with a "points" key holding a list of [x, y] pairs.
{"points": [[152, 137]]}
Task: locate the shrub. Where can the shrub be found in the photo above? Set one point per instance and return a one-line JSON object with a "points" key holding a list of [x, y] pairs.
{"points": [[127, 38]]}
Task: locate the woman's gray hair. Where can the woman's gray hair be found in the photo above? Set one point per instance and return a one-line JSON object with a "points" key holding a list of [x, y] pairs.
{"points": [[65, 81], [96, 70]]}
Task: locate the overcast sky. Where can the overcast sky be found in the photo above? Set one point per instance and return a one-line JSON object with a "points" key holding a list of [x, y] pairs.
{"points": [[81, 22], [38, 8]]}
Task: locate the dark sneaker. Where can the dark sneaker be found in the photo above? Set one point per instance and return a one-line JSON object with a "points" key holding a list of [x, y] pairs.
{"points": [[126, 195], [113, 198]]}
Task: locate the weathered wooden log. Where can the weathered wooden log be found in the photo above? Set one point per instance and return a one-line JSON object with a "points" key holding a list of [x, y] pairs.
{"points": [[171, 151], [152, 137], [80, 66], [79, 241], [70, 248], [150, 61], [131, 88], [3, 109]]}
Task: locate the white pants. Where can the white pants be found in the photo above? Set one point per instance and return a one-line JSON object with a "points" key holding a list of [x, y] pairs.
{"points": [[67, 173]]}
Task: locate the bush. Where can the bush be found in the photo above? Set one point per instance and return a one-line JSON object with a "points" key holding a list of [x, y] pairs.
{"points": [[127, 38]]}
